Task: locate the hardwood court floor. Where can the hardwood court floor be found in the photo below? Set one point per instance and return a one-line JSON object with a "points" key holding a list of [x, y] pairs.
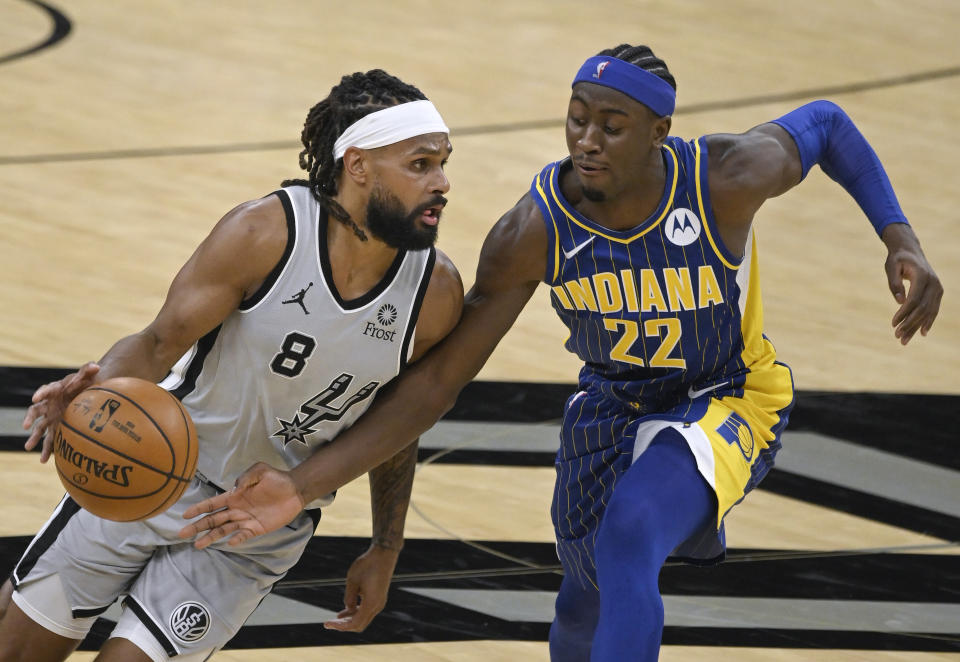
{"points": [[134, 129]]}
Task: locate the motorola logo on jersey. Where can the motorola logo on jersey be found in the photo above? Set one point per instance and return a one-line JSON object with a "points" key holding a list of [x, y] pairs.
{"points": [[682, 227], [189, 621]]}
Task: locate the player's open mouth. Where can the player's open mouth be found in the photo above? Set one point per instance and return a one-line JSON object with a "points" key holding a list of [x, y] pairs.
{"points": [[431, 215], [588, 168]]}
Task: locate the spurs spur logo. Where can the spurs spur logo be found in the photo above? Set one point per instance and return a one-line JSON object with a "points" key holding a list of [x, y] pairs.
{"points": [[321, 408]]}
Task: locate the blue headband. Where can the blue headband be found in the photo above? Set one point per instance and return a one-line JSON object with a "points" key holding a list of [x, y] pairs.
{"points": [[638, 84]]}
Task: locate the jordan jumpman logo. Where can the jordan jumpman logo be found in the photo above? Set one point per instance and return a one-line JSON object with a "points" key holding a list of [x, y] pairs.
{"points": [[298, 298]]}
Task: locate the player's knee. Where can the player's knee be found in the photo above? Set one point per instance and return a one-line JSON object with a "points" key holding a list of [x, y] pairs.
{"points": [[577, 610], [629, 528]]}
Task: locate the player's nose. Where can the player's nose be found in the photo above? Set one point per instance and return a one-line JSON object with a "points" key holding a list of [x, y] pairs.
{"points": [[588, 139], [441, 183]]}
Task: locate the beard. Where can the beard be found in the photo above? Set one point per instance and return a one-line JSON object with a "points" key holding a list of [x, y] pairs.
{"points": [[389, 222], [593, 195]]}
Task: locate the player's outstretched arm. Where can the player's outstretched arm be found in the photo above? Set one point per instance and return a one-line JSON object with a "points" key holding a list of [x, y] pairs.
{"points": [[512, 263], [236, 256], [770, 159]]}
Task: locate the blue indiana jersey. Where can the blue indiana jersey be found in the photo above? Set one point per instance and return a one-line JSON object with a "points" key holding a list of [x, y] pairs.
{"points": [[668, 324], [658, 308]]}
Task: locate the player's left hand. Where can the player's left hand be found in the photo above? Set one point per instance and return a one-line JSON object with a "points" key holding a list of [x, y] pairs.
{"points": [[906, 262], [365, 596], [49, 402]]}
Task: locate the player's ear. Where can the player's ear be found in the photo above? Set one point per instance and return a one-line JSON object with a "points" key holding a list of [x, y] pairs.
{"points": [[356, 164], [660, 130]]}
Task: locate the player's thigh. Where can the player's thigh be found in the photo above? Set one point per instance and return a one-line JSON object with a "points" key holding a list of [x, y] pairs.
{"points": [[121, 650], [77, 566], [5, 592], [22, 639], [190, 602]]}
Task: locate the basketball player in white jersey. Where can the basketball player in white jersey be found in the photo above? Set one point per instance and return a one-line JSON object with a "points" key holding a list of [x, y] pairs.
{"points": [[276, 335]]}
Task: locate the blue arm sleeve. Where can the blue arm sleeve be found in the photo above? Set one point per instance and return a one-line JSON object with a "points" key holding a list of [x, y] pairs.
{"points": [[825, 134]]}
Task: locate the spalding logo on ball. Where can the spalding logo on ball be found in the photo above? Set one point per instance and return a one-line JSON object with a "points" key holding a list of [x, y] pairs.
{"points": [[125, 449]]}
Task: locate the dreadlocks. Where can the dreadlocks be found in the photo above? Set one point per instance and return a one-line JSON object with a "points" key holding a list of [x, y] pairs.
{"points": [[356, 96], [644, 58]]}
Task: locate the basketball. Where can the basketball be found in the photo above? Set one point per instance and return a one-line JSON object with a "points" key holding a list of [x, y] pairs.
{"points": [[125, 449]]}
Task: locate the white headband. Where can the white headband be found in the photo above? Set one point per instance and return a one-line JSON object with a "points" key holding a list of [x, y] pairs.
{"points": [[391, 125]]}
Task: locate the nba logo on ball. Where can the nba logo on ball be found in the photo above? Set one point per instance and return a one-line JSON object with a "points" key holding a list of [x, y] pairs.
{"points": [[103, 415], [190, 621]]}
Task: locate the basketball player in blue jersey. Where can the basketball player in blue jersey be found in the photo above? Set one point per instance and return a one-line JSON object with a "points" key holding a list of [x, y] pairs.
{"points": [[646, 242], [275, 335]]}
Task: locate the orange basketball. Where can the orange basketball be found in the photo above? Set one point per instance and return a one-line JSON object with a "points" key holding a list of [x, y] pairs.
{"points": [[125, 449]]}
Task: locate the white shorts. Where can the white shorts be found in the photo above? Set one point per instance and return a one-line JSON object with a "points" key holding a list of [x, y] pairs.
{"points": [[190, 601]]}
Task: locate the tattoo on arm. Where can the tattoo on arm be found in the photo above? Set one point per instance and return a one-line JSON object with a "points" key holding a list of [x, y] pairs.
{"points": [[390, 487]]}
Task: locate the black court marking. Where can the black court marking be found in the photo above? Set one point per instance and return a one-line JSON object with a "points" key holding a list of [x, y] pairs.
{"points": [[907, 425], [411, 617], [149, 153], [861, 504], [61, 28], [488, 129]]}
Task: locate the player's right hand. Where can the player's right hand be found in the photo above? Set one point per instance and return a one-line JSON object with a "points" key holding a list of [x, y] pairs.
{"points": [[49, 403], [906, 262], [263, 500]]}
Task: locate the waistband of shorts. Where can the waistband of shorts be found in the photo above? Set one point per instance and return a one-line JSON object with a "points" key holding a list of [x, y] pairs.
{"points": [[200, 478]]}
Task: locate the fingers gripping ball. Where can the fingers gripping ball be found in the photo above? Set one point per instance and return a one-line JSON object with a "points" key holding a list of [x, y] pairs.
{"points": [[125, 449]]}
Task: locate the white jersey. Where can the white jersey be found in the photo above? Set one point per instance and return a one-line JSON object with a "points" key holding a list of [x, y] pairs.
{"points": [[295, 364]]}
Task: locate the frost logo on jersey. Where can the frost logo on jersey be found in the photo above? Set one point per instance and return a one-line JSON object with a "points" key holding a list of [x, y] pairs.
{"points": [[600, 68], [682, 227], [387, 314], [189, 621], [320, 408]]}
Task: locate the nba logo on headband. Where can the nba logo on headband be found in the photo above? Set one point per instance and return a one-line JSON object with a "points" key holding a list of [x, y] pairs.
{"points": [[638, 84]]}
